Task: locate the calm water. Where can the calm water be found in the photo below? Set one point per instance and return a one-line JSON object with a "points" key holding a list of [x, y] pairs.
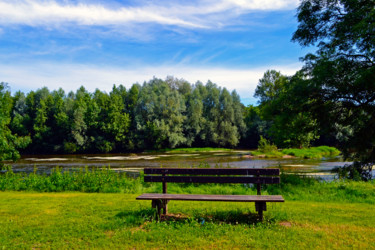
{"points": [[133, 163]]}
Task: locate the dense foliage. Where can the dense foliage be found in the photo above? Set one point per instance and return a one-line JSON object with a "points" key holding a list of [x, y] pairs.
{"points": [[158, 114], [283, 107], [341, 74], [332, 98], [9, 142]]}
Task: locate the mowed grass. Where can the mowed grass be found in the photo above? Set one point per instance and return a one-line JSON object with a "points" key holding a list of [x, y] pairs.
{"points": [[97, 220]]}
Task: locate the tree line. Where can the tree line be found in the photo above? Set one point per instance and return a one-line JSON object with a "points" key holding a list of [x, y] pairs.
{"points": [[158, 114]]}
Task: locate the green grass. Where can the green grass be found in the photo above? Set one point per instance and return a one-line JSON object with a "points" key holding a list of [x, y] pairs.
{"points": [[94, 220], [106, 181], [316, 214], [306, 153], [313, 152], [268, 154], [85, 180]]}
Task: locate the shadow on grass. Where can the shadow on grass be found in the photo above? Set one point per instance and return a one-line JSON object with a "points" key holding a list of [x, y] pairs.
{"points": [[137, 217], [219, 217], [234, 217]]}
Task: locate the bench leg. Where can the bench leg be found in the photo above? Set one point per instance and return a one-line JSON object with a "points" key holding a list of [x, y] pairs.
{"points": [[165, 206], [159, 205], [156, 204], [260, 207]]}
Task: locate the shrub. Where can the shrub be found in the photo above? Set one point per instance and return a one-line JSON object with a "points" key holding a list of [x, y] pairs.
{"points": [[266, 146]]}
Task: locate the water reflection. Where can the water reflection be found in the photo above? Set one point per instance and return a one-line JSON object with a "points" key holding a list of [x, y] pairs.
{"points": [[132, 163]]}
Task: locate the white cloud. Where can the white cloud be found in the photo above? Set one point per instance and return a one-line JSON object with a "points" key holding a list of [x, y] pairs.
{"points": [[203, 14], [264, 4], [46, 13], [70, 77]]}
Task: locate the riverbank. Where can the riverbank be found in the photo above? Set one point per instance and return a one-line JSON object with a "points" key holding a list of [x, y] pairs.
{"points": [[191, 150], [303, 153]]}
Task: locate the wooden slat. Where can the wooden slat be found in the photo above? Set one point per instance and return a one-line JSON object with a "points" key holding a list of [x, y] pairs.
{"points": [[201, 197], [212, 179], [214, 171]]}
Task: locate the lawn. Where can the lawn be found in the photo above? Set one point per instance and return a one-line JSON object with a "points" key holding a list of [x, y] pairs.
{"points": [[97, 220]]}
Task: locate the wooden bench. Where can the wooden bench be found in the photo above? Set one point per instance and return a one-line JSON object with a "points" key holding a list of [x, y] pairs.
{"points": [[256, 176]]}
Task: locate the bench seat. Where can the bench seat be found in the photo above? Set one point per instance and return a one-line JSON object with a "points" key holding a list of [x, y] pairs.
{"points": [[205, 197]]}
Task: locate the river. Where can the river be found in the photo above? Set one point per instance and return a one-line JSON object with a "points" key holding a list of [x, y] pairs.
{"points": [[133, 163]]}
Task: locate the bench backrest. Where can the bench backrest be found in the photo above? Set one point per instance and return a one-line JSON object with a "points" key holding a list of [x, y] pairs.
{"points": [[213, 175]]}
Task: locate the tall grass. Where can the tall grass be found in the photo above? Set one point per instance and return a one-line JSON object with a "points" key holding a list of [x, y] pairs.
{"points": [[97, 180], [292, 187]]}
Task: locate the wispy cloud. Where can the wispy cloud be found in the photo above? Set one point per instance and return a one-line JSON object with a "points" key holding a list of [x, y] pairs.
{"points": [[71, 76], [263, 5], [192, 15], [36, 13]]}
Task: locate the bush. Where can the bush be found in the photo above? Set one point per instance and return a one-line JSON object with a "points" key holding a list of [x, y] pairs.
{"points": [[266, 146]]}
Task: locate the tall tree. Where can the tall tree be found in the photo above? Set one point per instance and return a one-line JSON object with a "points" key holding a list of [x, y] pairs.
{"points": [[78, 127], [291, 124], [42, 125], [9, 142], [195, 120], [117, 122], [20, 117], [342, 71], [238, 114], [255, 126], [210, 98], [130, 105], [159, 115], [228, 134]]}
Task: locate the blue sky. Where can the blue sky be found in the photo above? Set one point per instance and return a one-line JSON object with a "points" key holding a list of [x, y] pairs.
{"points": [[69, 43]]}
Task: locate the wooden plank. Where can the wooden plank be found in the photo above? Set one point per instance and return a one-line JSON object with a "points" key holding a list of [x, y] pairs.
{"points": [[201, 197], [212, 179], [214, 171]]}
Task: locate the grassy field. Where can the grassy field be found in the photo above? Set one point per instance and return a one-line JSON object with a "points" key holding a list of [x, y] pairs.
{"points": [[82, 220], [316, 214]]}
